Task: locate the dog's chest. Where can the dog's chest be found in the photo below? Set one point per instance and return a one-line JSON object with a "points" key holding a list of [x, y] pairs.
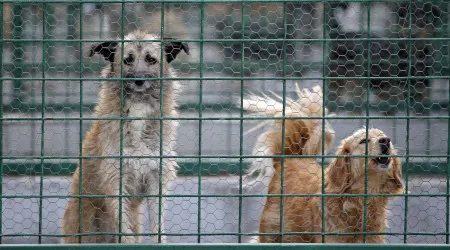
{"points": [[140, 140], [140, 132], [141, 136]]}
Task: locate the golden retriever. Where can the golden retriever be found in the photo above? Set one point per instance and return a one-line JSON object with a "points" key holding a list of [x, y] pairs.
{"points": [[344, 175]]}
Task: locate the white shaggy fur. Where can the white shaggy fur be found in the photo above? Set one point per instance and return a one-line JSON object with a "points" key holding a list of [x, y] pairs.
{"points": [[141, 147]]}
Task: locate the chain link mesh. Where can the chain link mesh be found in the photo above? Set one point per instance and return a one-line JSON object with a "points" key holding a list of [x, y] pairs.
{"points": [[381, 64]]}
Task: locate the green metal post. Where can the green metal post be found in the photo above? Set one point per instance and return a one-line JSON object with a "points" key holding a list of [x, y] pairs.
{"points": [[324, 74], [80, 138], [366, 150], [1, 122], [283, 127], [70, 10], [446, 29], [323, 150], [45, 33], [408, 114], [161, 125], [200, 124], [241, 122], [35, 20], [122, 36]]}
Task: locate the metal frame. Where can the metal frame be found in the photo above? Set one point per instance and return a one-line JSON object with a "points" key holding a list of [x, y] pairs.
{"points": [[232, 246], [200, 168]]}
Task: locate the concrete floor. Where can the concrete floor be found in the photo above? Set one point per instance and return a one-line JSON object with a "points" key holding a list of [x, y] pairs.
{"points": [[218, 215]]}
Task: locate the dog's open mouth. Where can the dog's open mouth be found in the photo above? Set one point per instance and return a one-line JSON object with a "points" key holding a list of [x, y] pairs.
{"points": [[383, 161]]}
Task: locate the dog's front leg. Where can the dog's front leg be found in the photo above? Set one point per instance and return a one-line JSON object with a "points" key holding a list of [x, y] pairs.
{"points": [[129, 219], [154, 208], [123, 212], [156, 223]]}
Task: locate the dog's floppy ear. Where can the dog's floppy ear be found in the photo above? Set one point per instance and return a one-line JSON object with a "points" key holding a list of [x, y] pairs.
{"points": [[339, 172], [396, 185], [172, 49], [106, 49]]}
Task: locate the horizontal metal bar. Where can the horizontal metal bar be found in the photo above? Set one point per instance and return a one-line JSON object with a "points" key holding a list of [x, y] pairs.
{"points": [[237, 40], [222, 118], [198, 1], [229, 66], [228, 78], [235, 246], [193, 169], [218, 196], [7, 157], [429, 105], [223, 234]]}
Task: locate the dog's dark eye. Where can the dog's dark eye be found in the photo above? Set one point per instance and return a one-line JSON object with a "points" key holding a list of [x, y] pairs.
{"points": [[129, 60], [150, 60], [364, 141]]}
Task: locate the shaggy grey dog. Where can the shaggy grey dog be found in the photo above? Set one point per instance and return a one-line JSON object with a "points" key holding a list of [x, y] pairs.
{"points": [[141, 142]]}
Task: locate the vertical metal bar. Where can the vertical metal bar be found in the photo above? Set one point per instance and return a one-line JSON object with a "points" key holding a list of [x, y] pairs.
{"points": [[161, 125], [408, 113], [45, 34], [200, 124], [50, 24], [70, 10], [366, 160], [283, 129], [122, 36], [18, 54], [428, 132], [34, 20], [396, 30], [241, 125], [1, 121], [447, 198], [80, 141], [324, 74]]}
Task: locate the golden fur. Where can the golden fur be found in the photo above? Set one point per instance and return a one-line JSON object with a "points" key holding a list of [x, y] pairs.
{"points": [[101, 176], [344, 175], [302, 136]]}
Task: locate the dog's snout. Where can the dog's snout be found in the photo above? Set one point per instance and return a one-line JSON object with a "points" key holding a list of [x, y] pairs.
{"points": [[385, 140], [139, 82], [385, 144]]}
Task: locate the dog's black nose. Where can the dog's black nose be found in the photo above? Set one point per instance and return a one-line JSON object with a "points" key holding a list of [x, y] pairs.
{"points": [[385, 140], [139, 82], [385, 144]]}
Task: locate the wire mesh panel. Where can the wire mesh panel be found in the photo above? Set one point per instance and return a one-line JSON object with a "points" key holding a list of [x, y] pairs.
{"points": [[110, 108]]}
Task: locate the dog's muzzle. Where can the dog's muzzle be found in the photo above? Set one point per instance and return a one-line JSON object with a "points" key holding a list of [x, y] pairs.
{"points": [[139, 82], [385, 147]]}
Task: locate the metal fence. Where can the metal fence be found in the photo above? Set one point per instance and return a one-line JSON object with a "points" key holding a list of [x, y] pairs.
{"points": [[383, 64]]}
